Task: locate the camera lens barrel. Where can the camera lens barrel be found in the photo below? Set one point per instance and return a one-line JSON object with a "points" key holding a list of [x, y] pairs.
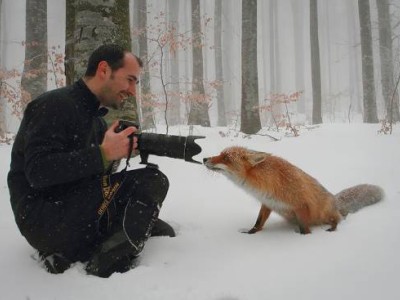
{"points": [[169, 145]]}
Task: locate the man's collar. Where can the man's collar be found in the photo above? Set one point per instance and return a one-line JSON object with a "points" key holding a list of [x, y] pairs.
{"points": [[90, 99]]}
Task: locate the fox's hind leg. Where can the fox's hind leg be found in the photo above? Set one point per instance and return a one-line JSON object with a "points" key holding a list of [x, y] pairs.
{"points": [[261, 219], [333, 221]]}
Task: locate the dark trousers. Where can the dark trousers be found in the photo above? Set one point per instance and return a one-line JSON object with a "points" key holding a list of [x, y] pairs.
{"points": [[76, 223]]}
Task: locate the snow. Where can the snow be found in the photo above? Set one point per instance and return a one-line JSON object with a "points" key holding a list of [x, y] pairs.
{"points": [[210, 259]]}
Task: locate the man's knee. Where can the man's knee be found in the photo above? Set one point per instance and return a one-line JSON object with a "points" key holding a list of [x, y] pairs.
{"points": [[157, 177], [158, 184], [149, 183]]}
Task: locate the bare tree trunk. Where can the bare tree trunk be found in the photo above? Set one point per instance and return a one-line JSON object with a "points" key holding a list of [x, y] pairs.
{"points": [[272, 40], [329, 102], [146, 99], [370, 111], [219, 76], [2, 103], [315, 64], [199, 105], [229, 71], [34, 76], [298, 31], [91, 23], [354, 78], [69, 62], [277, 52], [386, 55], [173, 116], [250, 116], [187, 6], [274, 60]]}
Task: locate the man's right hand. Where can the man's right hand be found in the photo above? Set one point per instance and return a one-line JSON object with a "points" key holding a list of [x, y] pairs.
{"points": [[116, 145]]}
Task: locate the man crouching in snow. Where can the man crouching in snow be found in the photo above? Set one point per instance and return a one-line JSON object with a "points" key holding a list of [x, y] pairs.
{"points": [[66, 202]]}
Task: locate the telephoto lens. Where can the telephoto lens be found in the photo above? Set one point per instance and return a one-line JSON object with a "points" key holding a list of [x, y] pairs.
{"points": [[182, 147]]}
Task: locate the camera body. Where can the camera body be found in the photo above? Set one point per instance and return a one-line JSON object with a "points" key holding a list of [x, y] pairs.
{"points": [[181, 147], [123, 124]]}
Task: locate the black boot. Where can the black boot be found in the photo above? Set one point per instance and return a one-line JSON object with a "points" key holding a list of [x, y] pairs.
{"points": [[162, 228], [55, 263], [116, 254]]}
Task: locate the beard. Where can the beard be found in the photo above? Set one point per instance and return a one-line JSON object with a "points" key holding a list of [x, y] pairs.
{"points": [[112, 99]]}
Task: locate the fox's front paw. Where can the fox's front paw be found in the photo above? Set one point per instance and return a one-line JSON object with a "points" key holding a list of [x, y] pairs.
{"points": [[251, 231]]}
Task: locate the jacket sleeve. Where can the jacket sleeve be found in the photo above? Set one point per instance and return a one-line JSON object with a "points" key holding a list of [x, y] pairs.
{"points": [[49, 160]]}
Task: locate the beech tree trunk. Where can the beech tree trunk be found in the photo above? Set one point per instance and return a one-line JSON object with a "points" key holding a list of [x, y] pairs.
{"points": [[34, 76], [386, 54], [369, 96], [250, 114], [219, 75], [146, 99], [315, 64], [91, 23], [198, 114]]}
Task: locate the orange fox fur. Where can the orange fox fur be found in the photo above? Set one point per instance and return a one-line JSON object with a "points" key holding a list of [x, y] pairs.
{"points": [[289, 191]]}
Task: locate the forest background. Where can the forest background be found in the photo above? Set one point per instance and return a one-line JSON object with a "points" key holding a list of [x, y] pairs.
{"points": [[243, 64], [285, 66]]}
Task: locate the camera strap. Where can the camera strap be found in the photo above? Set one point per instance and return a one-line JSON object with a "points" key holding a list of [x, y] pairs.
{"points": [[129, 151], [108, 190]]}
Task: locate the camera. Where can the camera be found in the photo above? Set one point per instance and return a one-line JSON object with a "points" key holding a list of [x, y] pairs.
{"points": [[181, 147]]}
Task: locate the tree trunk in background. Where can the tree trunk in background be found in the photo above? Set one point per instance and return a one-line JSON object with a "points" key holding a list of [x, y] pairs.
{"points": [[330, 100], [174, 104], [199, 105], [146, 96], [274, 60], [229, 62], [250, 116], [219, 75], [298, 31], [34, 76], [91, 23], [277, 51], [354, 78], [2, 103], [315, 64], [187, 54], [386, 55], [69, 62], [272, 41], [369, 99]]}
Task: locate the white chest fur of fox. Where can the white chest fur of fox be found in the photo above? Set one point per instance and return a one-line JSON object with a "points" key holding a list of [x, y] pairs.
{"points": [[287, 190]]}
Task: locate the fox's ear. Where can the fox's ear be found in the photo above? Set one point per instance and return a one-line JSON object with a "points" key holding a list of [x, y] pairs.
{"points": [[256, 158]]}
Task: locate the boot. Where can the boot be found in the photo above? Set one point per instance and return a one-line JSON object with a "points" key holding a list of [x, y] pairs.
{"points": [[116, 254], [55, 263], [162, 228]]}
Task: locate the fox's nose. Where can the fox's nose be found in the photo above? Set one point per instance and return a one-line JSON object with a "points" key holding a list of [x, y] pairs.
{"points": [[205, 160]]}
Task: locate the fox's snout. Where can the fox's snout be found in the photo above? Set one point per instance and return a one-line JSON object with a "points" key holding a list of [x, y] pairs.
{"points": [[207, 162], [212, 163]]}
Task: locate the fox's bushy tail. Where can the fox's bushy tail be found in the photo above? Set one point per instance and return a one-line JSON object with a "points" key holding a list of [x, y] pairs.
{"points": [[354, 198]]}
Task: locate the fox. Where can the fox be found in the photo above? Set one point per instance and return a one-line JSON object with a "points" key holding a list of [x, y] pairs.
{"points": [[289, 191]]}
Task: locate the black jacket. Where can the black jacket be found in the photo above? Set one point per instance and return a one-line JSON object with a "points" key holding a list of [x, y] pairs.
{"points": [[56, 147]]}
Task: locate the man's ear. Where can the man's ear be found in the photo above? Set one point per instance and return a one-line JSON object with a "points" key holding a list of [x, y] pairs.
{"points": [[102, 69]]}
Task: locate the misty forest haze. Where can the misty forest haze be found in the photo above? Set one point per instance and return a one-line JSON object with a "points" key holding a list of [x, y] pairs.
{"points": [[206, 63]]}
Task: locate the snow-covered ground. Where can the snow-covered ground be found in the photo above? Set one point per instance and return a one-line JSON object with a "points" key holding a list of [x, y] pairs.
{"points": [[211, 260]]}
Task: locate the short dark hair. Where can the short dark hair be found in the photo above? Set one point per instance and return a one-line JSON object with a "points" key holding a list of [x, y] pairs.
{"points": [[113, 54]]}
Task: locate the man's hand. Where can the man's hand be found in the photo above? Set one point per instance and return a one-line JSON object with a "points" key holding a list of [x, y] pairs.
{"points": [[116, 145]]}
